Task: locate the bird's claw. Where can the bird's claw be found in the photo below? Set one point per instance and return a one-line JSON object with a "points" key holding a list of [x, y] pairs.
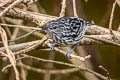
{"points": [[52, 46], [68, 54]]}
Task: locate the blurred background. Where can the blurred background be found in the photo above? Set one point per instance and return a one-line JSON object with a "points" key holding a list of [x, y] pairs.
{"points": [[108, 56]]}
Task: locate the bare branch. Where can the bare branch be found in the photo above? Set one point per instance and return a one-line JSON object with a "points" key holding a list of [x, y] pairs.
{"points": [[9, 7], [111, 17], [10, 54], [62, 13], [64, 71], [74, 8], [67, 64], [20, 26]]}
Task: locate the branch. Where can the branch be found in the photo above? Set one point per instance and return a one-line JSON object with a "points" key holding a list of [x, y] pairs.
{"points": [[75, 67], [43, 19], [64, 71], [67, 64], [111, 16], [9, 7], [20, 26], [85, 41]]}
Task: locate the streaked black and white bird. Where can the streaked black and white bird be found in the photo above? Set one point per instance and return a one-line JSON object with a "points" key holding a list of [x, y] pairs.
{"points": [[66, 31]]}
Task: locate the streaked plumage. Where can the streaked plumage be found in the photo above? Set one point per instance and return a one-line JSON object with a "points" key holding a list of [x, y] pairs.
{"points": [[67, 31]]}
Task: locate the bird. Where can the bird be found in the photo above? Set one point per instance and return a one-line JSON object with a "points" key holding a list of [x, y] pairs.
{"points": [[66, 31]]}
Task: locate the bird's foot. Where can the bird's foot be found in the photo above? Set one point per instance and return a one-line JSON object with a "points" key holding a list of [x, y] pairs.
{"points": [[52, 46], [68, 54]]}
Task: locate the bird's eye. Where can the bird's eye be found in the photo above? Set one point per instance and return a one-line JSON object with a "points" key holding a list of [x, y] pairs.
{"points": [[74, 36], [74, 27], [51, 28], [77, 23], [54, 27]]}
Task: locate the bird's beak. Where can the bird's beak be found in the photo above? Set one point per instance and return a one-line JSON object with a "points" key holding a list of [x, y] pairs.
{"points": [[44, 29]]}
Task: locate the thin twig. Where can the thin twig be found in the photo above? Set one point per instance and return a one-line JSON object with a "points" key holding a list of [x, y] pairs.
{"points": [[67, 64], [63, 71], [9, 65], [56, 62], [9, 7], [14, 35], [74, 8], [21, 37], [111, 17], [4, 54], [118, 28], [103, 39], [10, 54], [15, 32], [118, 2], [32, 46], [6, 28], [19, 26], [108, 74], [72, 56], [62, 13]]}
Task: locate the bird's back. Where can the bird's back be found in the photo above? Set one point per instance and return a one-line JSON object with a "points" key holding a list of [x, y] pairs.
{"points": [[66, 31]]}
